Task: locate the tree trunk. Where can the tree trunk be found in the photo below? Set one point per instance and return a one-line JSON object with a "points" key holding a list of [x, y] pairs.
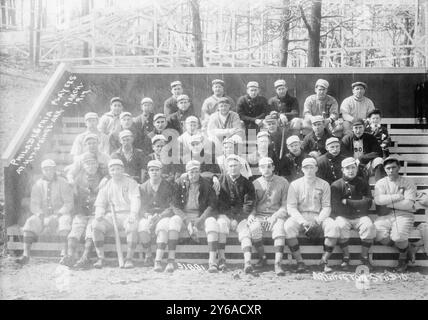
{"points": [[38, 32], [197, 34], [85, 12], [32, 22], [285, 33], [314, 35]]}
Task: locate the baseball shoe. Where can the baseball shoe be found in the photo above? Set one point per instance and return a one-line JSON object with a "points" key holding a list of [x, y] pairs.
{"points": [[99, 264], [158, 266], [402, 266], [128, 264], [345, 264], [67, 261], [325, 267], [170, 267], [148, 261], [262, 262], [278, 269], [82, 263], [248, 268], [23, 260], [222, 264], [365, 261], [212, 268], [301, 267], [411, 253]]}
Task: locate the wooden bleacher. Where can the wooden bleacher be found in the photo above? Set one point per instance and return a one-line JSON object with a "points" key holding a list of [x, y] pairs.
{"points": [[411, 144]]}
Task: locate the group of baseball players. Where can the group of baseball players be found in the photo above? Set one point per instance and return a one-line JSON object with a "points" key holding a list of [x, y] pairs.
{"points": [[248, 167]]}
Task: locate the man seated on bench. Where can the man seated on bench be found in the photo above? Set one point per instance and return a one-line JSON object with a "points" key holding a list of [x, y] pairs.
{"points": [[395, 197], [51, 208], [228, 149], [309, 207], [169, 169], [133, 159], [86, 188], [330, 163], [351, 199], [195, 201], [144, 121], [365, 149], [277, 134], [290, 166], [235, 202], [177, 119], [170, 104], [156, 199], [122, 195], [91, 121], [314, 143], [269, 214], [286, 105], [380, 131], [191, 125], [263, 150], [110, 122]]}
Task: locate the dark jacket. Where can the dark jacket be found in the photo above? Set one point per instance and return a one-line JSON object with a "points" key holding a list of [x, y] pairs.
{"points": [[312, 143], [156, 202], [371, 147], [251, 109], [277, 141], [176, 119], [207, 198], [147, 126], [170, 106], [236, 199], [329, 167], [358, 198], [287, 105], [290, 166], [136, 163]]}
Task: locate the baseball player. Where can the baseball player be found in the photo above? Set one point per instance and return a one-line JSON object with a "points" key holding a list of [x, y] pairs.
{"points": [[170, 171], [85, 192], [356, 106], [195, 202], [283, 102], [395, 197], [51, 207], [210, 104], [156, 199], [144, 121], [309, 207], [321, 104], [177, 119], [236, 202], [269, 214], [262, 151], [314, 143], [91, 146], [228, 149], [91, 121], [110, 122], [277, 134], [252, 107], [380, 131], [170, 104], [330, 163], [351, 199], [122, 195], [133, 159], [191, 125], [225, 123], [290, 166], [364, 147]]}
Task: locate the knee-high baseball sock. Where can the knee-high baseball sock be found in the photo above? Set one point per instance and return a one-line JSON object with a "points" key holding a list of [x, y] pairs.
{"points": [[293, 244], [29, 238], [222, 237], [246, 248], [172, 244], [160, 251], [212, 239], [99, 243], [63, 238], [72, 244], [365, 247], [278, 246], [88, 247], [344, 245], [402, 247], [260, 248], [130, 250]]}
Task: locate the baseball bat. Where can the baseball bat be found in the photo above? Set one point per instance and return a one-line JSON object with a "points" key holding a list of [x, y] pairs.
{"points": [[117, 237], [282, 142]]}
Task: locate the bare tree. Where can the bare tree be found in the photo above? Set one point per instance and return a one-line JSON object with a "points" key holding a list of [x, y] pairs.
{"points": [[85, 11], [285, 38], [197, 33], [314, 29]]}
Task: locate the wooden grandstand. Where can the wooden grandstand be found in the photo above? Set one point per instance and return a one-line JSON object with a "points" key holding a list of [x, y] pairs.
{"points": [[409, 141]]}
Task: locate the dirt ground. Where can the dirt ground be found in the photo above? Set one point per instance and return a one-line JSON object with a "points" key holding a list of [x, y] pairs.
{"points": [[45, 279]]}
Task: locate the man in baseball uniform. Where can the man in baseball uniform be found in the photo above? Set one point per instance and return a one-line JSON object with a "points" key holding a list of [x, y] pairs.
{"points": [[309, 205], [356, 106], [351, 199], [91, 121], [236, 202], [290, 166], [122, 195], [178, 118], [228, 149], [395, 197], [321, 104], [314, 143], [191, 126], [51, 207], [110, 122], [330, 163], [144, 121], [195, 202], [283, 102], [269, 214], [170, 104], [156, 199], [210, 104]]}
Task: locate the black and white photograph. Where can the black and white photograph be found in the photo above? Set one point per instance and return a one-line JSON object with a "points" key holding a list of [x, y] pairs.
{"points": [[222, 151]]}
